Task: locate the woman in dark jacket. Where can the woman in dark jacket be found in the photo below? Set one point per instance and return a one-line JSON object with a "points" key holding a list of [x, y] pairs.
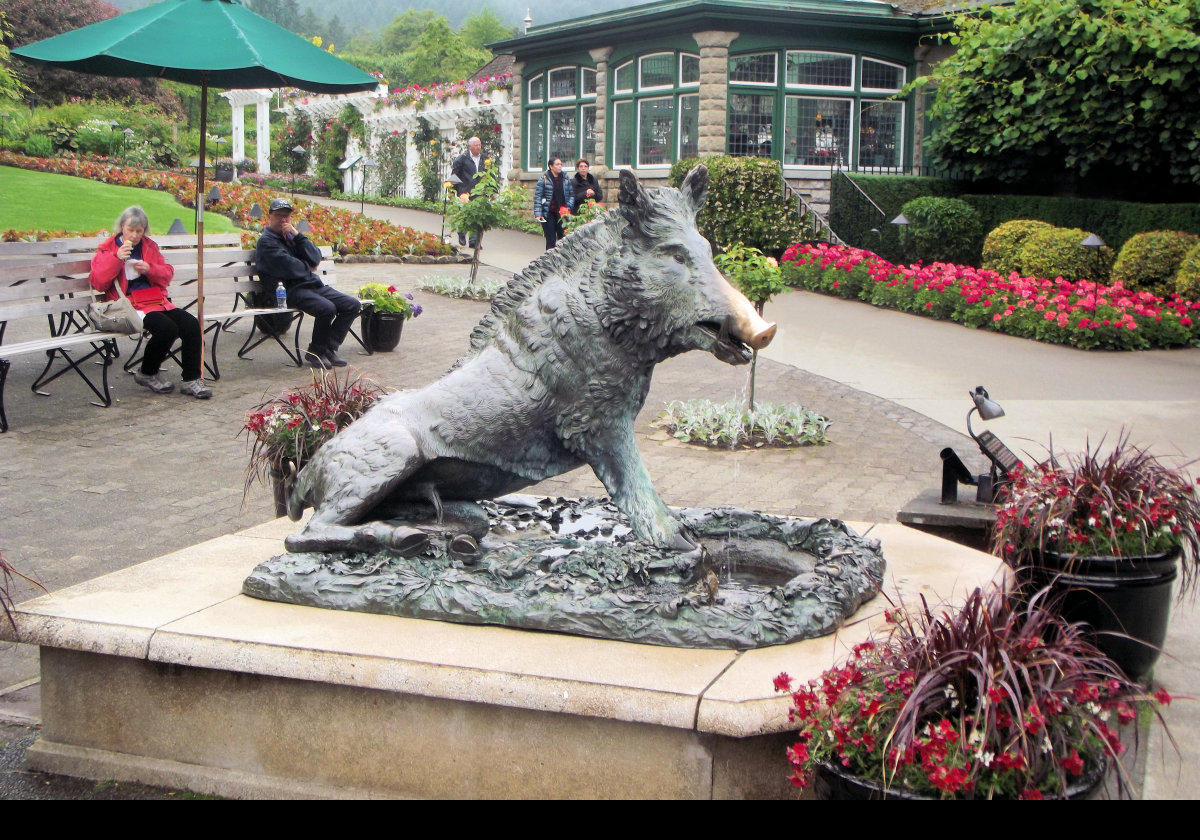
{"points": [[552, 197], [585, 185]]}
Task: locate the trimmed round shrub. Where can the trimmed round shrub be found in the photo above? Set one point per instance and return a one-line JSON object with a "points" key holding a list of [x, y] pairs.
{"points": [[1148, 261], [38, 145], [1056, 252], [1002, 246], [941, 230], [1187, 278]]}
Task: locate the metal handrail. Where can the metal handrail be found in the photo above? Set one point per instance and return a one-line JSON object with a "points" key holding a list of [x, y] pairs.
{"points": [[862, 192], [820, 228]]}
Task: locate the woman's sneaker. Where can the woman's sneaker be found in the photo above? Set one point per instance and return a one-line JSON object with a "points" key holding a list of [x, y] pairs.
{"points": [[195, 388], [156, 382]]}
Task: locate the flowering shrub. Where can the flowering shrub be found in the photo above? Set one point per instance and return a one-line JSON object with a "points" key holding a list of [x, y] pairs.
{"points": [[1079, 313], [589, 211], [388, 299], [994, 700], [1123, 504], [420, 96], [284, 432]]}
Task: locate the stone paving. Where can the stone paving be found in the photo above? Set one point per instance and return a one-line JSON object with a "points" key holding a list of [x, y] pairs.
{"points": [[89, 490]]}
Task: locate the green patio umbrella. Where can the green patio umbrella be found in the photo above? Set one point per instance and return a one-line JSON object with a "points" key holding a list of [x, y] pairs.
{"points": [[217, 43]]}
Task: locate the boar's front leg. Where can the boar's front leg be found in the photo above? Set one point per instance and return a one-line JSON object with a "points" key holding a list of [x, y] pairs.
{"points": [[618, 464]]}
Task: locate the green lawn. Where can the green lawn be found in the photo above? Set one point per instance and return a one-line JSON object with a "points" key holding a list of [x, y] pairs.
{"points": [[42, 200]]}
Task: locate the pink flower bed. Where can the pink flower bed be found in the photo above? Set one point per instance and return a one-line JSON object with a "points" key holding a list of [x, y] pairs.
{"points": [[1082, 314]]}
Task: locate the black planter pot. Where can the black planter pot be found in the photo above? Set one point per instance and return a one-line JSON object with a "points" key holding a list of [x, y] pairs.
{"points": [[1127, 600], [833, 782], [281, 484], [224, 174], [381, 330]]}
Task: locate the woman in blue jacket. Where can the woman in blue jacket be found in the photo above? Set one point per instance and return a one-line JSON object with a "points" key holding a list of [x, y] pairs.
{"points": [[552, 198]]}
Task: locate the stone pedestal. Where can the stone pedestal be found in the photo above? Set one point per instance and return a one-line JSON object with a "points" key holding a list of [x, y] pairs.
{"points": [[165, 674]]}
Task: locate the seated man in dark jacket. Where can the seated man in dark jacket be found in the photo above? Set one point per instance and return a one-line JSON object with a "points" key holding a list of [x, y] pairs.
{"points": [[283, 254]]}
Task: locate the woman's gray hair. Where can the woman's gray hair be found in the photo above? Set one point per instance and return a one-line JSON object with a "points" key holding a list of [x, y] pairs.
{"points": [[136, 217]]}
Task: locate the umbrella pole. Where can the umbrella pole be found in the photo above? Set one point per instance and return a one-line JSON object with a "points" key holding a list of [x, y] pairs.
{"points": [[200, 215]]}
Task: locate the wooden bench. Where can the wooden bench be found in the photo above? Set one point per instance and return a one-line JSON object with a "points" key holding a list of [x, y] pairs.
{"points": [[60, 291], [231, 290]]}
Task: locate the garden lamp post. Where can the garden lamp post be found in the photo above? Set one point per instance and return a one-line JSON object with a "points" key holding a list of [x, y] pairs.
{"points": [[1002, 459], [112, 138], [297, 150], [367, 165], [126, 136], [455, 181]]}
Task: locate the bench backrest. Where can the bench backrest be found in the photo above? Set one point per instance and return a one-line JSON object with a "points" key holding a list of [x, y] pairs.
{"points": [[44, 288], [227, 273], [88, 244]]}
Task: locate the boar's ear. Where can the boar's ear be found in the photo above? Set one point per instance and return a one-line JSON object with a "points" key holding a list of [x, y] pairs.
{"points": [[695, 187], [632, 198], [631, 195]]}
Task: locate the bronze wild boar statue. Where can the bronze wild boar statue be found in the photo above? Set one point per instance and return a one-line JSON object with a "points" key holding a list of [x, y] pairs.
{"points": [[556, 373]]}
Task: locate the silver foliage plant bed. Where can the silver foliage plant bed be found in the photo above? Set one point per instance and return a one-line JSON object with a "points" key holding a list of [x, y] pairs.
{"points": [[574, 566]]}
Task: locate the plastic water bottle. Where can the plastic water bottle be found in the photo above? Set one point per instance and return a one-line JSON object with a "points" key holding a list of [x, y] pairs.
{"points": [[280, 296]]}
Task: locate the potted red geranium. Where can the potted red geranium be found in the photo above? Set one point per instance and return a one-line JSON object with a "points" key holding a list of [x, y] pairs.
{"points": [[1001, 699], [1108, 531]]}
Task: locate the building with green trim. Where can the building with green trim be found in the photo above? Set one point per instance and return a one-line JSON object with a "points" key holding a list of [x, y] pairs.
{"points": [[811, 83]]}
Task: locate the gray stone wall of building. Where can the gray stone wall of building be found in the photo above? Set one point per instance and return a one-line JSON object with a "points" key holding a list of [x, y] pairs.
{"points": [[714, 89], [518, 119], [600, 56]]}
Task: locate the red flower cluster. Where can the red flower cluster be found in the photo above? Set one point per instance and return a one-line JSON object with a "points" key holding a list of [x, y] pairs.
{"points": [[1083, 314]]}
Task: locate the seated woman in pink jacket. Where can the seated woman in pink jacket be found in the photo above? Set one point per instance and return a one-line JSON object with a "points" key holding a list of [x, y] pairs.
{"points": [[134, 261]]}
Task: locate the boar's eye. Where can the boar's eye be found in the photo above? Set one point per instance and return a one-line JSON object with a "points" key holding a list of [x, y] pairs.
{"points": [[680, 258]]}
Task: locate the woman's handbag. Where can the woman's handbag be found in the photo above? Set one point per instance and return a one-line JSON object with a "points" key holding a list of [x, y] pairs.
{"points": [[117, 316]]}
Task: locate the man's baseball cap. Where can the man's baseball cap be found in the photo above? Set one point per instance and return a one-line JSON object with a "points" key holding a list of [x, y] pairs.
{"points": [[278, 204]]}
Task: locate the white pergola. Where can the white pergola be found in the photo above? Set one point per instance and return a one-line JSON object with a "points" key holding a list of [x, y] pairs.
{"points": [[261, 99], [384, 120]]}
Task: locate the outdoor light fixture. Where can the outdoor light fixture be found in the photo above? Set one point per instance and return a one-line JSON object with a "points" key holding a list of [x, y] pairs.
{"points": [[1093, 241], [1003, 459], [901, 220], [214, 195], [367, 163], [255, 211], [297, 150], [455, 180], [177, 228], [304, 227]]}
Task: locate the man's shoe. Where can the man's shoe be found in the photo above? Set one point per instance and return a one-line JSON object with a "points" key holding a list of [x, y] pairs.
{"points": [[195, 388], [315, 360], [156, 382], [333, 359]]}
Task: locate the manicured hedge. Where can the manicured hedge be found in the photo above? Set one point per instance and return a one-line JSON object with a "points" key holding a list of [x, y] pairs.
{"points": [[1114, 221], [745, 203]]}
